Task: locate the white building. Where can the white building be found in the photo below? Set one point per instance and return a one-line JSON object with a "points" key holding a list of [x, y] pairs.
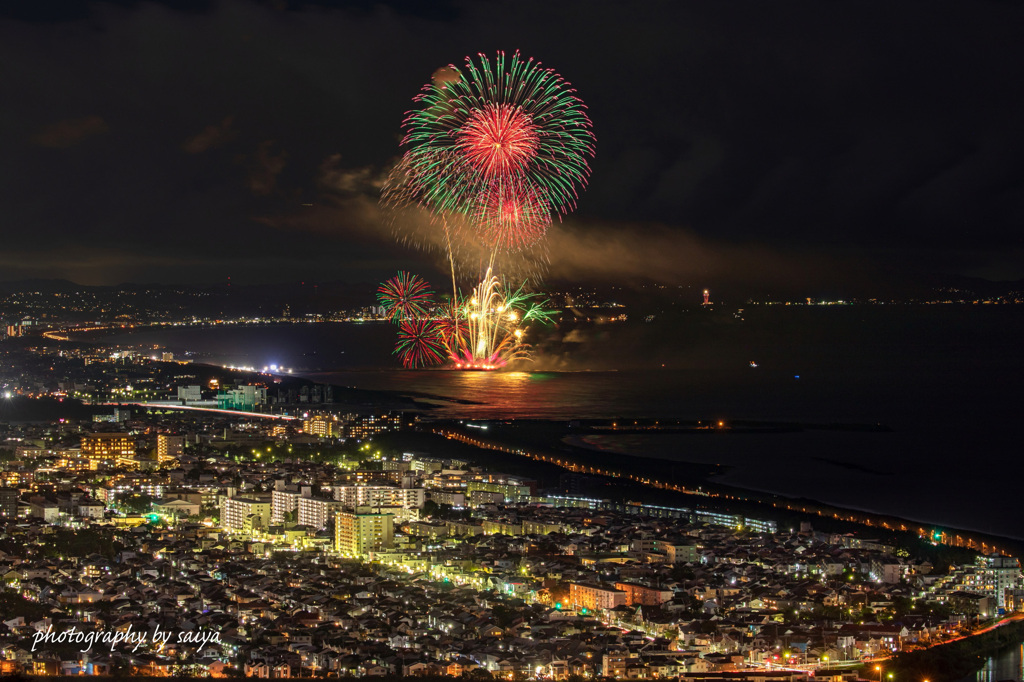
{"points": [[452, 497], [317, 512], [360, 534], [286, 500], [245, 514], [90, 508], [352, 496], [190, 394], [47, 511], [1000, 573]]}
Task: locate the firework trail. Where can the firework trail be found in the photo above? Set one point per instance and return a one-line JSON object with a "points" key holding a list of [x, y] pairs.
{"points": [[496, 319], [512, 218]]}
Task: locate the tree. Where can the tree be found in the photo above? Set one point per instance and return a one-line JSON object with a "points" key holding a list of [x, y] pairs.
{"points": [[135, 503]]}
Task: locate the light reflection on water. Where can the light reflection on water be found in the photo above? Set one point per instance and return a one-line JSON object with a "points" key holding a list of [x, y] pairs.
{"points": [[789, 463], [581, 395], [946, 381], [1007, 665]]}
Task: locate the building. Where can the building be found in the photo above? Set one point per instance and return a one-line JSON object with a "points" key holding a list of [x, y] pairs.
{"points": [[16, 478], [245, 514], [429, 531], [511, 492], [534, 527], [317, 512], [999, 574], [285, 501], [501, 527], [176, 508], [359, 534], [593, 597], [352, 496], [45, 510], [190, 394], [242, 398], [90, 508], [108, 446], [8, 503], [641, 595], [323, 426], [169, 447], [665, 552], [362, 427], [449, 497], [119, 415]]}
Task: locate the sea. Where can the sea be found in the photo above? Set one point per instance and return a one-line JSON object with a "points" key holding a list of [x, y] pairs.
{"points": [[940, 385], [1004, 665]]}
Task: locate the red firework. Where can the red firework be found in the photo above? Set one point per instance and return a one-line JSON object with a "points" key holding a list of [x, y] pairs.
{"points": [[453, 332], [405, 296], [420, 343], [498, 140], [467, 361], [513, 217]]}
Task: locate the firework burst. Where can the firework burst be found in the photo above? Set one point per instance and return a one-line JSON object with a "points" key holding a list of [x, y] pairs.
{"points": [[495, 151], [495, 320], [498, 140], [405, 297], [504, 122], [421, 343]]}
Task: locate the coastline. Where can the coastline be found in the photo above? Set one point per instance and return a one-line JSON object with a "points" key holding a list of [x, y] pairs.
{"points": [[694, 484], [846, 470]]}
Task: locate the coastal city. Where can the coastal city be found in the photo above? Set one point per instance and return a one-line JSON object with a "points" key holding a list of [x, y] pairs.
{"points": [[305, 540], [51, 306], [462, 341]]}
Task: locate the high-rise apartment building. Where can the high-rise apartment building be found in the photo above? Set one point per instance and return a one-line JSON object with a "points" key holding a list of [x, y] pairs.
{"points": [[317, 512], [112, 446], [357, 535], [285, 500], [379, 496], [8, 503], [323, 426], [245, 514], [1000, 573], [169, 447]]}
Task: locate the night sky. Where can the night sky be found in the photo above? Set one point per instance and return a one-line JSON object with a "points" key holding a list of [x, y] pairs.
{"points": [[791, 144]]}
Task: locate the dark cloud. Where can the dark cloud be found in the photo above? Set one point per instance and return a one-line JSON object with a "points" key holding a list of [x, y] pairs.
{"points": [[213, 136], [337, 179], [64, 11], [69, 132], [264, 167], [733, 139]]}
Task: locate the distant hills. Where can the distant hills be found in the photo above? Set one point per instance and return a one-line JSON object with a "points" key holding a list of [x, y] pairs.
{"points": [[60, 299]]}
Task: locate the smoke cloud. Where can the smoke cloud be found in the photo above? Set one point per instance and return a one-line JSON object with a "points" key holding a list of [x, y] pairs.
{"points": [[69, 132], [212, 137]]}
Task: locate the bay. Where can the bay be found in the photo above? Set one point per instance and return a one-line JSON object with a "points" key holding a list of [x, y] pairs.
{"points": [[943, 380]]}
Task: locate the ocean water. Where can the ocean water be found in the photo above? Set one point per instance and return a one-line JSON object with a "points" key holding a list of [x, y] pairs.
{"points": [[945, 380], [1006, 665]]}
